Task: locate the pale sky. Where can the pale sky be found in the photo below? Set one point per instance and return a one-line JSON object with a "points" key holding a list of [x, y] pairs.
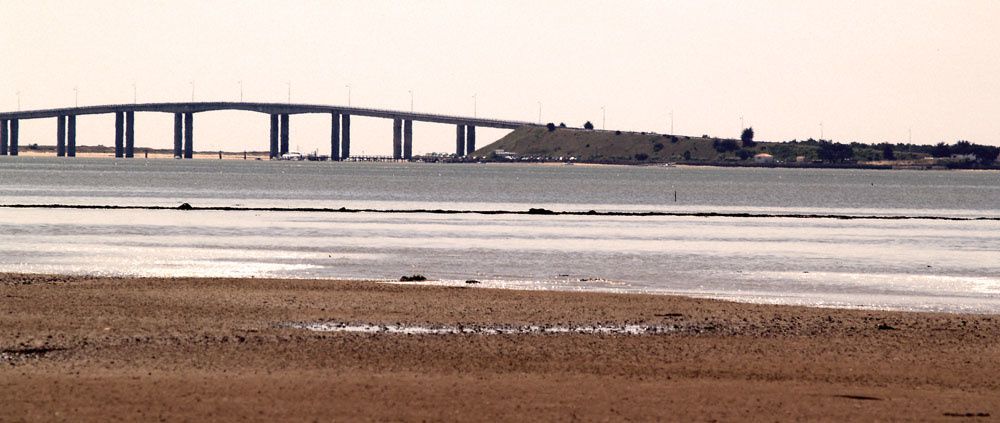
{"points": [[868, 70]]}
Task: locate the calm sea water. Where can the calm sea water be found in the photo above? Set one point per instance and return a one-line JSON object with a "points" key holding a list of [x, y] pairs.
{"points": [[914, 264]]}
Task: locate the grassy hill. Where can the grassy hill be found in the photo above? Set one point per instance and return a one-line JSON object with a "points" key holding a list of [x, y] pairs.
{"points": [[602, 146]]}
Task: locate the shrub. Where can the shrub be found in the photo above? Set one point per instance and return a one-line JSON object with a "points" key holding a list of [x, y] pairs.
{"points": [[588, 126], [834, 151], [551, 127], [413, 278], [887, 153], [641, 156], [747, 137], [723, 146], [657, 147], [941, 150]]}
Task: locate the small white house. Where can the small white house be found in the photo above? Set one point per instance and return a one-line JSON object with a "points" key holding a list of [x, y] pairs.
{"points": [[763, 158]]}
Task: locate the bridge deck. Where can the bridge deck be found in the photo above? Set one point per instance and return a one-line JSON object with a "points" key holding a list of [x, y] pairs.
{"points": [[269, 108]]}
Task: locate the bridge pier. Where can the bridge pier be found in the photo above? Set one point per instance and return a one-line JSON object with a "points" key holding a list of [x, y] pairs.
{"points": [[470, 140], [460, 140], [345, 136], [71, 136], [397, 139], [284, 134], [335, 136], [274, 136], [12, 150], [119, 134], [60, 136], [129, 134], [3, 137], [408, 139], [188, 135], [178, 135]]}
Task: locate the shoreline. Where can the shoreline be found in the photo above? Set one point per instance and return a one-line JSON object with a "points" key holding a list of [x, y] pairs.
{"points": [[157, 154], [75, 347]]}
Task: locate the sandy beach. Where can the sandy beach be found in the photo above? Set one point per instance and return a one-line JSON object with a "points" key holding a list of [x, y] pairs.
{"points": [[100, 349]]}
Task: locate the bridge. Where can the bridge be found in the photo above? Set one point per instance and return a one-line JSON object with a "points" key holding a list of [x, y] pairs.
{"points": [[340, 126]]}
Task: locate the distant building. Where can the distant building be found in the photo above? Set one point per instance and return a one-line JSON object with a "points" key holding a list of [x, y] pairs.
{"points": [[505, 155], [964, 157], [763, 158]]}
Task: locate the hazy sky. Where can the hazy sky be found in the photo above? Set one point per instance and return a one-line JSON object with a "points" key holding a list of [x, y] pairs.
{"points": [[868, 70]]}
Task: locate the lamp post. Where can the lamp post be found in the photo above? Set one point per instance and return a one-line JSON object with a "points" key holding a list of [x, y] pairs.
{"points": [[192, 91], [241, 90], [76, 97], [135, 95], [289, 92], [348, 95], [604, 118], [821, 131], [19, 101], [671, 122], [411, 100], [539, 112], [475, 105]]}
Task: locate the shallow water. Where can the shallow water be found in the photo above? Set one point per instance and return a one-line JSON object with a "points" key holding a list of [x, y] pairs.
{"points": [[892, 264], [399, 329]]}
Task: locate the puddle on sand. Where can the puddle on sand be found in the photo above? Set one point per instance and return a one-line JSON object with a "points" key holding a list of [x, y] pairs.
{"points": [[480, 329]]}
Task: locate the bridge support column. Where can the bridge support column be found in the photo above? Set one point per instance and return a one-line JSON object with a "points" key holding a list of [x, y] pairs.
{"points": [[12, 150], [284, 134], [178, 135], [274, 136], [335, 137], [460, 140], [3, 137], [71, 136], [119, 134], [129, 134], [397, 139], [345, 136], [470, 140], [188, 135], [408, 139], [60, 136]]}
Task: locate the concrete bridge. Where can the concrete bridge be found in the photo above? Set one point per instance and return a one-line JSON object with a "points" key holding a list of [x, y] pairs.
{"points": [[340, 126]]}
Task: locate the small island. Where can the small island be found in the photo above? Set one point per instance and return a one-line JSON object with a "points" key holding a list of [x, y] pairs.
{"points": [[559, 143]]}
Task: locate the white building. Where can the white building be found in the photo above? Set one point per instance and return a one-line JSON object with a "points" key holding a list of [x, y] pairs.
{"points": [[763, 158]]}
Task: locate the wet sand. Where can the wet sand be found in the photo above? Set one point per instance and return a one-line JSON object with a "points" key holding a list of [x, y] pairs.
{"points": [[99, 349]]}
